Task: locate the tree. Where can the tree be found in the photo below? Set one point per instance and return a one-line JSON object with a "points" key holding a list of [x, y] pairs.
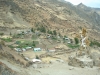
{"points": [[42, 29], [32, 30], [33, 44], [54, 32], [49, 32], [76, 40], [37, 57], [10, 34], [1, 34]]}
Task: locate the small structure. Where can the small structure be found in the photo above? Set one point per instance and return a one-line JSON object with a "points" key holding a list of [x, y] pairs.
{"points": [[28, 47], [37, 49], [51, 50], [66, 38], [57, 47], [36, 60], [17, 49]]}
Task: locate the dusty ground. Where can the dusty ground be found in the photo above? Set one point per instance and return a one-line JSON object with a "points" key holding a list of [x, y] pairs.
{"points": [[56, 68], [63, 69]]}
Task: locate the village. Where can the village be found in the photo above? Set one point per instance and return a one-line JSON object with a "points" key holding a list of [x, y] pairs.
{"points": [[34, 45], [25, 47]]}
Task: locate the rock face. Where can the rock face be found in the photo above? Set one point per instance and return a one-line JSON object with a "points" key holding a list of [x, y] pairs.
{"points": [[4, 70], [82, 61]]}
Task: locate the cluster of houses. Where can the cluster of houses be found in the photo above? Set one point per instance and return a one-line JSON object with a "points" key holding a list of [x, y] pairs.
{"points": [[24, 31], [22, 49]]}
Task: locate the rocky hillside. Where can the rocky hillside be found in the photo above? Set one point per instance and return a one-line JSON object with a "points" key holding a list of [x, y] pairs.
{"points": [[53, 14], [4, 70]]}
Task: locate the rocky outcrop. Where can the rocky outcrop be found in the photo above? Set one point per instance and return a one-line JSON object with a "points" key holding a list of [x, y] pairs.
{"points": [[83, 61]]}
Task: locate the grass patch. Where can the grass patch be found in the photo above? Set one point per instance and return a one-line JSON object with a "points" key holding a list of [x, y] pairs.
{"points": [[73, 46], [26, 43], [34, 37], [7, 39], [10, 46]]}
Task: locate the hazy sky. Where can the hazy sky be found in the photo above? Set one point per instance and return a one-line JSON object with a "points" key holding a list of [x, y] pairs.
{"points": [[91, 3]]}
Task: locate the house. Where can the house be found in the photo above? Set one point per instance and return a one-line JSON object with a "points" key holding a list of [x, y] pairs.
{"points": [[37, 49], [51, 50], [28, 47], [57, 47], [18, 49], [66, 38]]}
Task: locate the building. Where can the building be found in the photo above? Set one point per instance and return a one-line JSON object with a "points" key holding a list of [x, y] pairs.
{"points": [[37, 49], [51, 50]]}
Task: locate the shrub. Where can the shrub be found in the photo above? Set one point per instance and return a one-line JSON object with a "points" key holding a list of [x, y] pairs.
{"points": [[76, 40], [54, 38], [73, 46], [42, 29], [37, 57], [10, 46], [95, 43], [49, 32], [54, 32], [1, 34], [32, 30], [7, 39]]}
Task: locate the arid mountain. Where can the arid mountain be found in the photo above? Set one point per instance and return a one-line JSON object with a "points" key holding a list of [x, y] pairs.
{"points": [[53, 14]]}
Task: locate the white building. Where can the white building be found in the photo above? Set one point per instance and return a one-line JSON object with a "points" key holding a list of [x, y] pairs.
{"points": [[37, 49]]}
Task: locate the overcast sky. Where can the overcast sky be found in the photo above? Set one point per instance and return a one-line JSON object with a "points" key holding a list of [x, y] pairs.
{"points": [[91, 3]]}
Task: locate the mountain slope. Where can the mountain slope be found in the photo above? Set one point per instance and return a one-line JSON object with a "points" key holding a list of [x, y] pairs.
{"points": [[53, 14]]}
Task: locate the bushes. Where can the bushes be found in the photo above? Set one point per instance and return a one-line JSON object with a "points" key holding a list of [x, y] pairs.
{"points": [[95, 43], [73, 46], [7, 39], [37, 57], [42, 29], [23, 44], [54, 32], [49, 32], [1, 34], [32, 30], [76, 40]]}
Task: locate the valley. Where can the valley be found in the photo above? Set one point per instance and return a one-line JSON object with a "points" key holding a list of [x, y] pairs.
{"points": [[49, 37]]}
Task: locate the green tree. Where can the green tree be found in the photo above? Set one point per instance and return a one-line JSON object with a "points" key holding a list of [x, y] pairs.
{"points": [[10, 34], [54, 32], [1, 34], [76, 40], [49, 32], [32, 30], [42, 29], [33, 44], [37, 57]]}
